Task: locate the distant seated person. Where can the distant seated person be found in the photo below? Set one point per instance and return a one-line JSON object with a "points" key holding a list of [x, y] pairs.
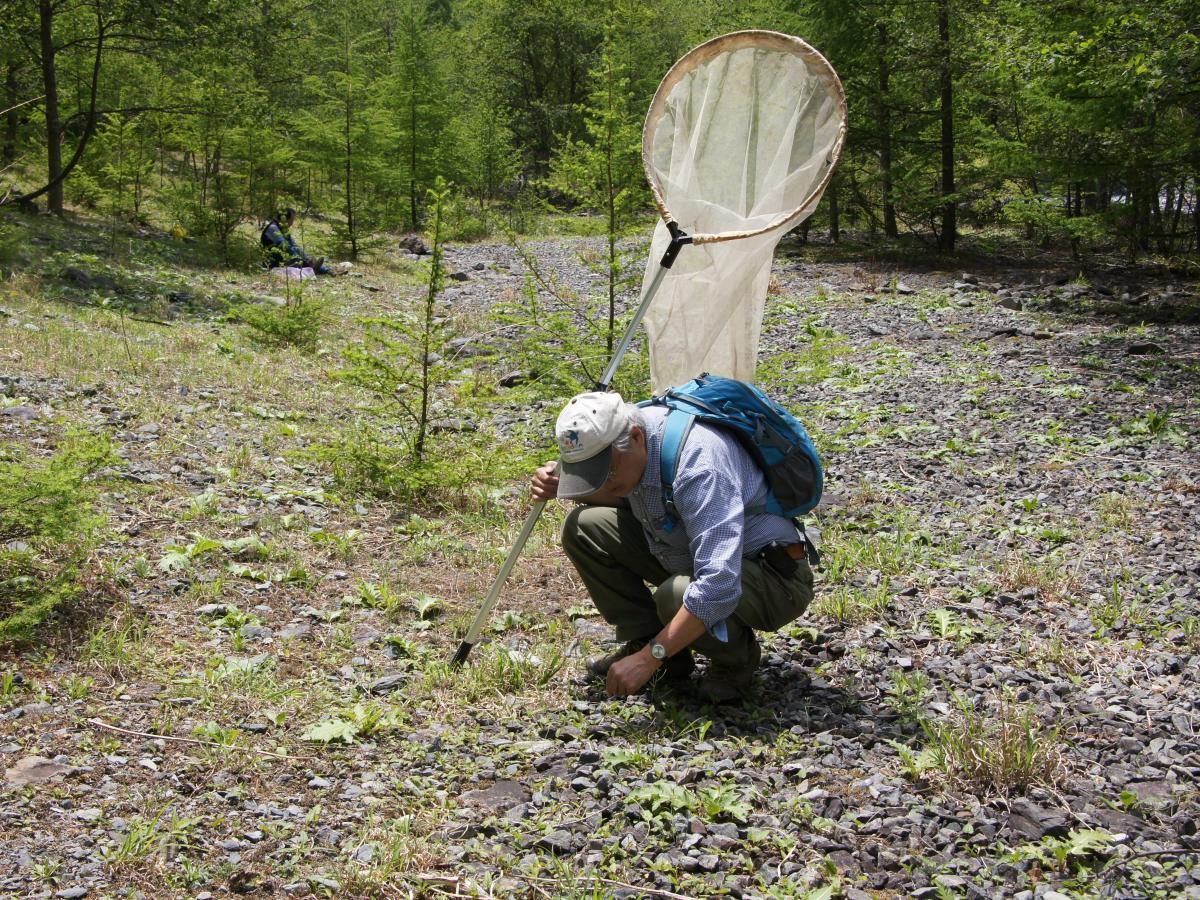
{"points": [[281, 250]]}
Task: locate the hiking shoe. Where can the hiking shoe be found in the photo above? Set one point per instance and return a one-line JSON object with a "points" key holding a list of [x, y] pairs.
{"points": [[728, 685], [599, 665], [722, 687]]}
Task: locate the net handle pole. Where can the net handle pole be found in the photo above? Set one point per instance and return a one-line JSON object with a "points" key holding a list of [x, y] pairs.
{"points": [[678, 239], [489, 602]]}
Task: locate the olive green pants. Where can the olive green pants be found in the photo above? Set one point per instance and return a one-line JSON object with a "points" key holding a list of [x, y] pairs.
{"points": [[609, 550]]}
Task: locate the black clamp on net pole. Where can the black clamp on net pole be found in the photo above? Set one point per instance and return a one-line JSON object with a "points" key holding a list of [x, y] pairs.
{"points": [[679, 237]]}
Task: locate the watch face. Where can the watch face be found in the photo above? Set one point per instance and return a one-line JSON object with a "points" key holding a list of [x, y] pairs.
{"points": [[658, 651]]}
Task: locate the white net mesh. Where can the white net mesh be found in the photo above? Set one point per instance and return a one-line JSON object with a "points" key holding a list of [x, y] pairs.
{"points": [[739, 143]]}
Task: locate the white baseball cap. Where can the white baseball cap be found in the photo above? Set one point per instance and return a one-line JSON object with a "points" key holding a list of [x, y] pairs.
{"points": [[585, 430]]}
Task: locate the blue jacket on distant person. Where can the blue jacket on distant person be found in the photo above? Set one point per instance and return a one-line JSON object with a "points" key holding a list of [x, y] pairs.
{"points": [[281, 249]]}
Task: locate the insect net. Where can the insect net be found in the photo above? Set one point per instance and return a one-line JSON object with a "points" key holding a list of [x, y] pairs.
{"points": [[740, 141]]}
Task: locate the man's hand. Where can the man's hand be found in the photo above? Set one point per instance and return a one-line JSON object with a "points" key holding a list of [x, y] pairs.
{"points": [[545, 482], [629, 675]]}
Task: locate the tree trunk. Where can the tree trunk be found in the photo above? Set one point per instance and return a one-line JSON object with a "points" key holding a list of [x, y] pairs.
{"points": [[949, 232], [349, 191], [885, 137], [835, 219], [412, 125], [349, 150], [13, 118], [1195, 213], [1175, 213], [54, 198]]}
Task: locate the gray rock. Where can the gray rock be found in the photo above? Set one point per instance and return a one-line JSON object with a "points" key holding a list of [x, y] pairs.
{"points": [[72, 893], [34, 770], [512, 379], [559, 842], [1035, 822], [501, 796], [1010, 302], [25, 413], [388, 683], [1143, 348], [413, 244]]}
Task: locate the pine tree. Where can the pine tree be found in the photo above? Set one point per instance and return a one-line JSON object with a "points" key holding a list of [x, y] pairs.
{"points": [[603, 169]]}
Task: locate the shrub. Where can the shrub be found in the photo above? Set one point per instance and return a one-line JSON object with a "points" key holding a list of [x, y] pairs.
{"points": [[462, 222], [296, 324], [47, 530], [453, 474], [10, 249]]}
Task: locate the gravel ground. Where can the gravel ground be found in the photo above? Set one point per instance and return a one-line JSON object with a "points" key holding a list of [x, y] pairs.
{"points": [[994, 694]]}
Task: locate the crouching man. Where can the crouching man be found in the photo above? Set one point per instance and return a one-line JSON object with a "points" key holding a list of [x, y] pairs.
{"points": [[702, 580]]}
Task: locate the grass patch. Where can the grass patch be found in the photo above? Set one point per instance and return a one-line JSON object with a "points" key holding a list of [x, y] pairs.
{"points": [[1004, 753], [1051, 575], [848, 605]]}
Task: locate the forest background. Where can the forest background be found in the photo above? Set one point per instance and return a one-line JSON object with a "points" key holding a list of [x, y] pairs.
{"points": [[1075, 122]]}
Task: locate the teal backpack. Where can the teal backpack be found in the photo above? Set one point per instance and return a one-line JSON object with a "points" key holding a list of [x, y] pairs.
{"points": [[773, 437]]}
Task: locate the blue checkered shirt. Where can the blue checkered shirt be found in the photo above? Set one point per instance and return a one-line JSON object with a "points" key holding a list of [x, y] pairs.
{"points": [[715, 481]]}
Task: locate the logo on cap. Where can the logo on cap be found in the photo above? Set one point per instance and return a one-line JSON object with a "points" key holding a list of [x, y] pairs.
{"points": [[569, 441]]}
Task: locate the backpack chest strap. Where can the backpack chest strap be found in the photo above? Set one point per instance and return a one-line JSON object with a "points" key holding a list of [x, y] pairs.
{"points": [[678, 427]]}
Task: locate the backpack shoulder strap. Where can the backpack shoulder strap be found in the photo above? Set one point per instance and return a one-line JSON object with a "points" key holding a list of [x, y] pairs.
{"points": [[675, 432]]}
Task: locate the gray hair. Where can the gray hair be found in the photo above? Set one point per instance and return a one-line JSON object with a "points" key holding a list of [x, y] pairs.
{"points": [[633, 416]]}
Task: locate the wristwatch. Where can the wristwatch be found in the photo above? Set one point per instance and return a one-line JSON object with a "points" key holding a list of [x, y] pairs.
{"points": [[658, 651]]}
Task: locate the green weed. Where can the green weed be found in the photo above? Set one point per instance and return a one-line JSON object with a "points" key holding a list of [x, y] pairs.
{"points": [[343, 544], [663, 799], [945, 624], [363, 720], [116, 645], [1006, 753], [1079, 851], [1115, 510], [145, 837], [908, 694], [724, 802], [77, 686], [1053, 576]]}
